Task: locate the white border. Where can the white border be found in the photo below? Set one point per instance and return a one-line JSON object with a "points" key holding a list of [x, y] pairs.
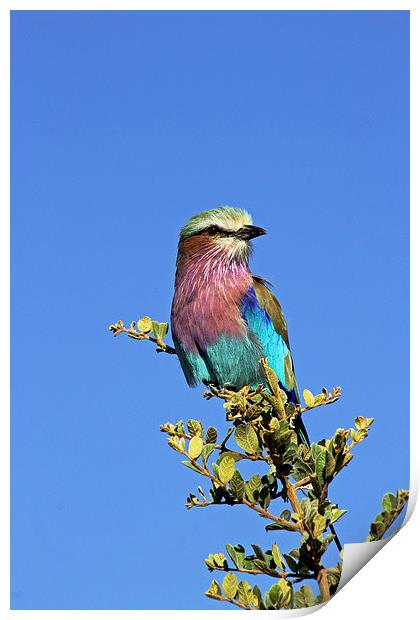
{"points": [[386, 586]]}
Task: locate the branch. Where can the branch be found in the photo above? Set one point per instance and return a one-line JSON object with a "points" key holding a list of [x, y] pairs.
{"points": [[219, 597], [222, 448], [278, 575], [118, 328], [325, 398], [392, 507], [322, 580], [263, 424], [264, 513]]}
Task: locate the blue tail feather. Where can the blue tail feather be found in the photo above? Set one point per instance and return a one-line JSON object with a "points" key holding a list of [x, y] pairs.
{"points": [[301, 431]]}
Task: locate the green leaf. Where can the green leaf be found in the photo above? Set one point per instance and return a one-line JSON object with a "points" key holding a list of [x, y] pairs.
{"points": [[308, 397], [211, 435], [192, 466], [216, 473], [253, 412], [271, 378], [306, 509], [283, 396], [286, 593], [232, 552], [173, 443], [206, 451], [393, 506], [290, 409], [258, 599], [179, 428], [319, 457], [288, 371], [319, 398], [291, 562], [277, 557], [237, 554], [195, 447], [330, 465], [358, 436], [246, 438], [273, 596], [377, 530], [226, 469], [258, 552], [159, 330], [144, 325], [214, 589], [195, 427], [305, 597], [262, 566], [320, 523], [245, 594], [339, 440], [279, 526], [237, 485], [362, 423], [230, 585], [234, 455], [347, 458], [237, 400], [220, 560], [209, 561], [252, 486], [336, 514], [389, 502]]}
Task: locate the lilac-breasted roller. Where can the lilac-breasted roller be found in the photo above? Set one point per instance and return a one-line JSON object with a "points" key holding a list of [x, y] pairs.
{"points": [[224, 319]]}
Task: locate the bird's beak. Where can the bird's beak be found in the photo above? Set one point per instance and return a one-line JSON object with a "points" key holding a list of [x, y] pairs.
{"points": [[249, 232]]}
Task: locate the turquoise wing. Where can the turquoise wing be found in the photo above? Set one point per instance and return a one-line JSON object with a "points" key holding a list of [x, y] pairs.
{"points": [[265, 319]]}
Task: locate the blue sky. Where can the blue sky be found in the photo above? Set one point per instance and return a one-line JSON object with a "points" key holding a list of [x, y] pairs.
{"points": [[124, 124]]}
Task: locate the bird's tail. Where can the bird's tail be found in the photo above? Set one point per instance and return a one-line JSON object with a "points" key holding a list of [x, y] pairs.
{"points": [[301, 431], [303, 437]]}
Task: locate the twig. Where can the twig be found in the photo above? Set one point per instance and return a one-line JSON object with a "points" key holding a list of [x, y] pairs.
{"points": [[228, 600], [274, 573], [303, 482], [117, 329], [328, 401], [264, 513], [239, 455]]}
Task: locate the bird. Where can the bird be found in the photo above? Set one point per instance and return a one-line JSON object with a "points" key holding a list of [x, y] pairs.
{"points": [[224, 319]]}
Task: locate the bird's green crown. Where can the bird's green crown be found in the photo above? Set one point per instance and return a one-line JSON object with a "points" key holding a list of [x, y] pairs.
{"points": [[226, 218]]}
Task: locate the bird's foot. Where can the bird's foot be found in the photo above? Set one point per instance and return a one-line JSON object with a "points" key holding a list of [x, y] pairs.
{"points": [[209, 383]]}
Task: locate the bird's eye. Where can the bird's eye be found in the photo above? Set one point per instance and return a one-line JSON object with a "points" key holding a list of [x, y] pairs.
{"points": [[212, 230]]}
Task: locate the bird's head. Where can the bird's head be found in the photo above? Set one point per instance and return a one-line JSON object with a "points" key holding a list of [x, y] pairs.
{"points": [[223, 231]]}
